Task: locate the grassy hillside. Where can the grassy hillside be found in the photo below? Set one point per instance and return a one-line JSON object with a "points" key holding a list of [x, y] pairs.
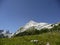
{"points": [[52, 37]]}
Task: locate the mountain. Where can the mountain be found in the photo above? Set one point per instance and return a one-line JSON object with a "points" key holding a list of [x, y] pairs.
{"points": [[37, 25], [34, 33], [5, 34]]}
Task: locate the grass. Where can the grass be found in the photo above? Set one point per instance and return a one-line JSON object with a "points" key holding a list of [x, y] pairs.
{"points": [[52, 37]]}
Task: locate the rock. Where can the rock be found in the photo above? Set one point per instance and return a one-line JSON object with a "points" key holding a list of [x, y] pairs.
{"points": [[34, 41], [47, 43]]}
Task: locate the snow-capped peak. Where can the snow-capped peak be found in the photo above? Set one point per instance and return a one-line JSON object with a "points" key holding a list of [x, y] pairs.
{"points": [[37, 25], [30, 23]]}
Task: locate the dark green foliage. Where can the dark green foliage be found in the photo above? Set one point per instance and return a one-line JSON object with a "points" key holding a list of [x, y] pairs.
{"points": [[45, 30], [57, 43], [33, 31], [55, 28], [2, 36], [28, 32]]}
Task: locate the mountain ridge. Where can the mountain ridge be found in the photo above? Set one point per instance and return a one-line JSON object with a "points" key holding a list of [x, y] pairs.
{"points": [[37, 25]]}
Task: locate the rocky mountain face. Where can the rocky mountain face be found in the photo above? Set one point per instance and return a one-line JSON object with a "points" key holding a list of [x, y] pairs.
{"points": [[37, 25]]}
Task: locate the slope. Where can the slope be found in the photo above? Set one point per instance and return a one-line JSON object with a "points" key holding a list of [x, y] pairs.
{"points": [[52, 37]]}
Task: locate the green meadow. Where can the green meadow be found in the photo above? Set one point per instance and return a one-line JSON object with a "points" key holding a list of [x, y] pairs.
{"points": [[52, 37]]}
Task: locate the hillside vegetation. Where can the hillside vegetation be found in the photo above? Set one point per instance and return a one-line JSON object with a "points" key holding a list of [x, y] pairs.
{"points": [[52, 36]]}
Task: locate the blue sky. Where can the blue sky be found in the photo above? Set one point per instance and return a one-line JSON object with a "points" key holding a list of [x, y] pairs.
{"points": [[16, 13]]}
